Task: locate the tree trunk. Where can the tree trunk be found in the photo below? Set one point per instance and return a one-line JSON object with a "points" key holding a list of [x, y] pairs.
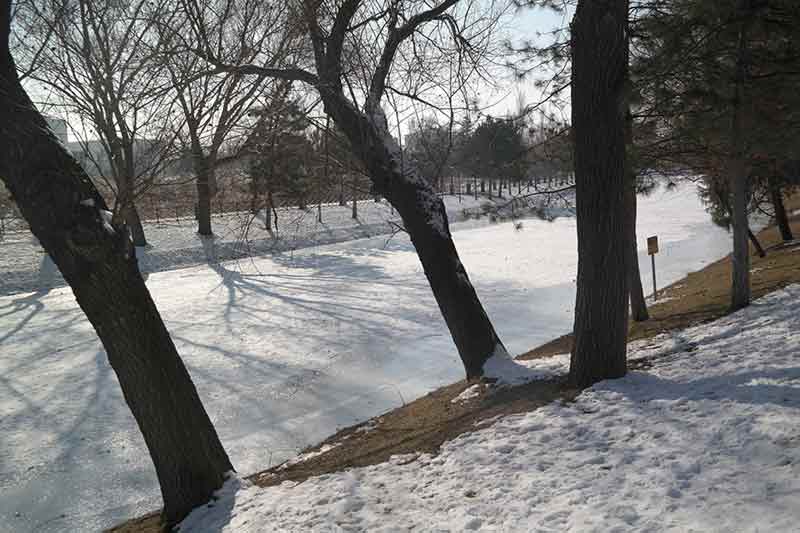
{"points": [[781, 219], [599, 76], [268, 212], [135, 225], [67, 214], [204, 178], [639, 312], [740, 258], [425, 219], [757, 245], [355, 199], [129, 212]]}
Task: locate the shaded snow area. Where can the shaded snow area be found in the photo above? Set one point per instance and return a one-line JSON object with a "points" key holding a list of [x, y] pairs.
{"points": [[283, 350], [174, 243], [705, 440]]}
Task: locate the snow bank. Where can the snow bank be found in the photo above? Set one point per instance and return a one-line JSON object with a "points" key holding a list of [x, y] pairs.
{"points": [[706, 440]]}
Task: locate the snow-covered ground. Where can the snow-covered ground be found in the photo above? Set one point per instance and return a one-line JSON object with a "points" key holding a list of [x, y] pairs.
{"points": [[283, 350], [705, 440], [174, 243]]}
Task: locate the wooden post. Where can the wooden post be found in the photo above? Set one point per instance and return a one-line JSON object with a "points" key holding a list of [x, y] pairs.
{"points": [[652, 249]]}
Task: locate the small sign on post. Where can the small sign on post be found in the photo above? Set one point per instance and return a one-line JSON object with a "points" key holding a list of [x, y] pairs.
{"points": [[652, 250]]}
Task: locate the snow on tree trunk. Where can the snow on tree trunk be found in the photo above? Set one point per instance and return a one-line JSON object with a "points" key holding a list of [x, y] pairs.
{"points": [[425, 219]]}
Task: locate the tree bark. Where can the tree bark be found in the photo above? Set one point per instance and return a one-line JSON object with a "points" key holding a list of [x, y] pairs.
{"points": [[268, 212], [639, 312], [135, 224], [599, 78], [740, 258], [68, 216], [781, 219], [204, 178], [129, 212], [757, 245], [354, 213], [425, 219]]}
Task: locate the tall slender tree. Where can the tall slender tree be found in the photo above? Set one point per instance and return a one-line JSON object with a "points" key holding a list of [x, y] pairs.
{"points": [[737, 169], [93, 252]]}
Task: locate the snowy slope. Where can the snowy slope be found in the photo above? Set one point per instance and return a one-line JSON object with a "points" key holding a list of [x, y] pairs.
{"points": [[706, 440], [283, 350]]}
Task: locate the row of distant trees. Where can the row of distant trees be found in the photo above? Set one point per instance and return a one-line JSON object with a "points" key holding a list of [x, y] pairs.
{"points": [[509, 149], [148, 107], [135, 73]]}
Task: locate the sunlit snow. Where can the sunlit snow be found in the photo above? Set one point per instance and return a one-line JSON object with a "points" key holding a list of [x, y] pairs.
{"points": [[284, 350]]}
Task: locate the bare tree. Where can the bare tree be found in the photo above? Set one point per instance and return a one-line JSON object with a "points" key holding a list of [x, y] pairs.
{"points": [[352, 81], [214, 106], [99, 64], [92, 251]]}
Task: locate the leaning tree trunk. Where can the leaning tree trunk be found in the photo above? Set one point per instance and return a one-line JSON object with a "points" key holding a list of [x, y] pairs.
{"points": [[757, 245], [740, 258], [781, 219], [425, 219], [70, 219], [599, 76]]}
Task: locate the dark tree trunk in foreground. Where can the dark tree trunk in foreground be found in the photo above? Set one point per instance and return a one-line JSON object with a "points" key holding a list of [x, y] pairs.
{"points": [[425, 219], [740, 258], [599, 67], [67, 214], [781, 219]]}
